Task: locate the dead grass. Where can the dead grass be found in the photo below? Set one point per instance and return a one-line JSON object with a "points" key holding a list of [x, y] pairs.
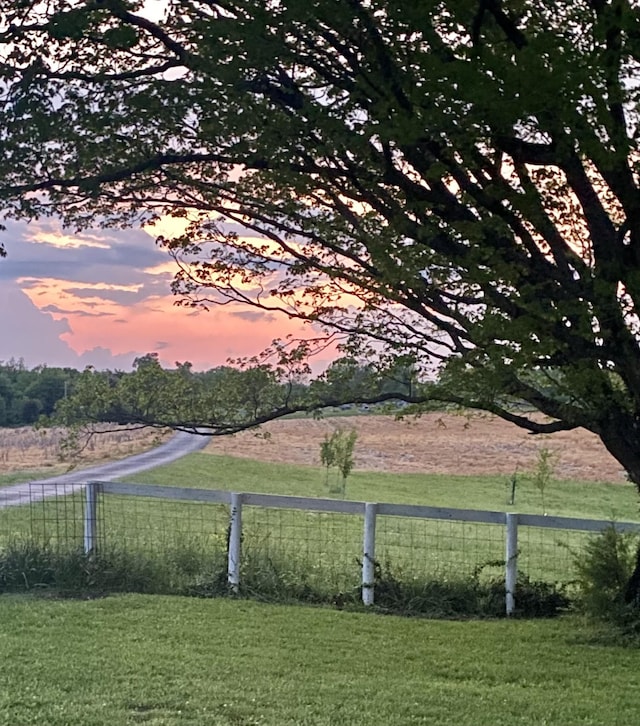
{"points": [[435, 443], [28, 449]]}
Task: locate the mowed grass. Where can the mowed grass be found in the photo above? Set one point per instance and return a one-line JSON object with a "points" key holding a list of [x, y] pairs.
{"points": [[176, 661], [596, 500]]}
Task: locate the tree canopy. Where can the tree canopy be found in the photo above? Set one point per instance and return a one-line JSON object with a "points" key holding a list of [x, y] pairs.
{"points": [[454, 182], [26, 394]]}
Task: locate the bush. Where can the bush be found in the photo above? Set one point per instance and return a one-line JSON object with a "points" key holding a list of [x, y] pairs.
{"points": [[604, 571]]}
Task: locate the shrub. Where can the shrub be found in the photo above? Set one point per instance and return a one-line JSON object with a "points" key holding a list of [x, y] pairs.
{"points": [[604, 570]]}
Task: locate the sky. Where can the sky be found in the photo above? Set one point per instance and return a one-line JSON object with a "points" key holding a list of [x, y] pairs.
{"points": [[102, 298]]}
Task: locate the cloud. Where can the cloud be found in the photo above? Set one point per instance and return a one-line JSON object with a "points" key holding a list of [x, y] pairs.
{"points": [[117, 256], [103, 358], [35, 336], [56, 238], [115, 293], [107, 301], [254, 316], [82, 313]]}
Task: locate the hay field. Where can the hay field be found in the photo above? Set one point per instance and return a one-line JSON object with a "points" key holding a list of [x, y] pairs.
{"points": [[436, 443]]}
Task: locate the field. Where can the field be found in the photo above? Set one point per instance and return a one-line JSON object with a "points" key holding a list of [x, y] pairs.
{"points": [[439, 460], [27, 453], [436, 443], [184, 662], [134, 659], [323, 550]]}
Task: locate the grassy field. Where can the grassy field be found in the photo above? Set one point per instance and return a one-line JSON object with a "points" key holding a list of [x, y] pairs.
{"points": [[134, 659], [597, 500], [22, 475], [175, 661]]}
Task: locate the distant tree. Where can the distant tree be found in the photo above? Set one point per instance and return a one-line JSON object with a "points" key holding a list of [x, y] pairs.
{"points": [[225, 400], [4, 420], [48, 385], [30, 410], [25, 390]]}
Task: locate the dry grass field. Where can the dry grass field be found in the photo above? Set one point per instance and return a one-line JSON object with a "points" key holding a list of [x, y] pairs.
{"points": [[435, 443], [27, 449]]}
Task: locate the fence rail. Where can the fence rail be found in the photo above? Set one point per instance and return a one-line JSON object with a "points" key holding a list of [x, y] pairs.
{"points": [[369, 511]]}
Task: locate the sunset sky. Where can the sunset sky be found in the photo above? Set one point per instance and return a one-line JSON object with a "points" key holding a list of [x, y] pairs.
{"points": [[102, 297]]}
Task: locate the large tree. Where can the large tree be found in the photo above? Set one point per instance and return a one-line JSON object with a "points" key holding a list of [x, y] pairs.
{"points": [[454, 182]]}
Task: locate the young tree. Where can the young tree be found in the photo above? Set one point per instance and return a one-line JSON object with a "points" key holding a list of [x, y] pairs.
{"points": [[455, 182], [337, 451]]}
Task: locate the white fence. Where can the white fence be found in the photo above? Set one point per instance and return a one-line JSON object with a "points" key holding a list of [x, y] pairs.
{"points": [[368, 510]]}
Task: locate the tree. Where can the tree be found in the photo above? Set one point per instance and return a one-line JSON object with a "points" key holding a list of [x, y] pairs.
{"points": [[337, 451], [454, 182], [218, 402]]}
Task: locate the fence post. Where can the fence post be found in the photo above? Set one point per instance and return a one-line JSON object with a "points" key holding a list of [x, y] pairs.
{"points": [[235, 542], [369, 553], [90, 516], [511, 557]]}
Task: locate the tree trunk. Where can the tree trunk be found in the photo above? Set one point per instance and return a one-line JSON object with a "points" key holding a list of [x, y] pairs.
{"points": [[632, 591], [622, 439]]}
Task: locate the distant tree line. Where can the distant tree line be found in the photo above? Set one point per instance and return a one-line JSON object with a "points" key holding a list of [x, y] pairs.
{"points": [[27, 394], [230, 398]]}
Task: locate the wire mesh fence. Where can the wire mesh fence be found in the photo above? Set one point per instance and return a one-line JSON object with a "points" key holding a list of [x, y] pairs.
{"points": [[168, 539], [550, 554], [437, 548], [51, 514], [300, 551]]}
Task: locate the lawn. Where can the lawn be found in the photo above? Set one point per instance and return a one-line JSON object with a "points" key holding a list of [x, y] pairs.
{"points": [[158, 660], [23, 475]]}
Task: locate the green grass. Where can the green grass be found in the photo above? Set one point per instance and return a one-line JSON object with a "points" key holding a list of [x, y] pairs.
{"points": [[24, 475], [597, 500], [177, 662]]}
